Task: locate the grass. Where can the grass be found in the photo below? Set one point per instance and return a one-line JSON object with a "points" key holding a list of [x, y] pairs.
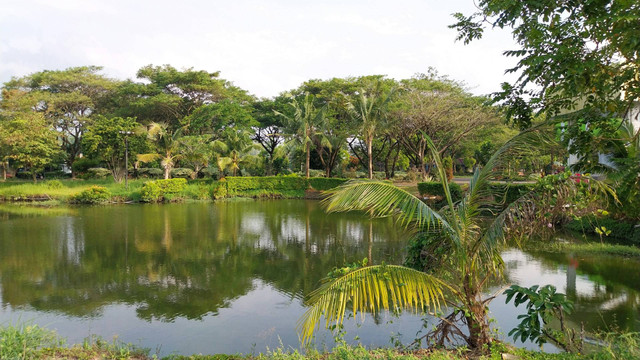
{"points": [[589, 248], [34, 342]]}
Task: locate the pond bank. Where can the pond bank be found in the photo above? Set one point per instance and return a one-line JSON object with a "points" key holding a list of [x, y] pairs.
{"points": [[34, 342], [69, 191]]}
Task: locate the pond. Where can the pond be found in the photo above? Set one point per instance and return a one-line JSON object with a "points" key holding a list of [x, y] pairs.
{"points": [[230, 277]]}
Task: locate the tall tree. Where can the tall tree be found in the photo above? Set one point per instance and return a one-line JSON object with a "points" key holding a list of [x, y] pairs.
{"points": [[29, 141], [105, 139], [369, 107], [67, 98], [432, 107], [304, 123], [268, 132], [576, 58]]}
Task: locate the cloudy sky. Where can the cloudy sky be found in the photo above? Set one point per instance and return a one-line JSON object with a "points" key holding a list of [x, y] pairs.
{"points": [[266, 46]]}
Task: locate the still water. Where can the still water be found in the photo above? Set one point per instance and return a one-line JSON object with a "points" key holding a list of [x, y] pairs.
{"points": [[231, 276]]}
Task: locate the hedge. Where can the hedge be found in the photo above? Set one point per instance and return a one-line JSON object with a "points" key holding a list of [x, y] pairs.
{"points": [[154, 191], [271, 186], [322, 184], [432, 188], [511, 191], [623, 232], [92, 195]]}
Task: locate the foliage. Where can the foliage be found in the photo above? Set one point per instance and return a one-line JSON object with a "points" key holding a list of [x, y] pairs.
{"points": [[435, 189], [92, 195], [511, 191], [158, 190], [184, 173], [105, 139], [83, 164], [268, 186], [304, 124], [573, 55], [28, 141], [67, 99], [387, 286], [622, 231], [24, 341], [97, 173], [150, 172], [323, 184], [447, 162], [474, 244], [543, 305]]}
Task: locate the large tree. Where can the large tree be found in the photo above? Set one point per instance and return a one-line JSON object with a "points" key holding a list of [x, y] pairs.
{"points": [[576, 58], [67, 98], [440, 109], [304, 124], [369, 108], [105, 139], [29, 141]]}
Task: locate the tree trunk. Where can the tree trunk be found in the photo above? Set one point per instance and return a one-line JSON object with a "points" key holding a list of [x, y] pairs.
{"points": [[167, 172], [370, 154], [423, 171], [4, 172], [476, 319], [34, 175], [307, 161]]}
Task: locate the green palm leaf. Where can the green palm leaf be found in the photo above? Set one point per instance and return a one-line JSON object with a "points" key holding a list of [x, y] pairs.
{"points": [[371, 289], [382, 199]]}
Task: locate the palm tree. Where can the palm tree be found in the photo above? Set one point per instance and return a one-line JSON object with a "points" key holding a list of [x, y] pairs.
{"points": [[471, 257], [369, 109], [304, 124], [167, 145]]}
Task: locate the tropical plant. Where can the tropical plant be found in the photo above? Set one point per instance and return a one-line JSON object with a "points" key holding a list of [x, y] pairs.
{"points": [[167, 145], [369, 108], [472, 257], [304, 124]]}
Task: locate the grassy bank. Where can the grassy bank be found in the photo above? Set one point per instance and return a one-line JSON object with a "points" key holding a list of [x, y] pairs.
{"points": [[65, 191], [588, 248], [34, 342]]}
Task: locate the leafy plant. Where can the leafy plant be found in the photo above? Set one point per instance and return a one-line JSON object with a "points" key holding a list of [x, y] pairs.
{"points": [[543, 305], [92, 195]]}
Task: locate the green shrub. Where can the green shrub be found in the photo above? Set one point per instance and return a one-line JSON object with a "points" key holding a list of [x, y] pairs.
{"points": [[25, 340], [171, 186], [323, 184], [435, 190], [621, 231], [150, 192], [157, 190], [185, 173], [83, 165], [53, 184], [150, 173], [98, 173], [219, 189], [511, 191], [92, 195]]}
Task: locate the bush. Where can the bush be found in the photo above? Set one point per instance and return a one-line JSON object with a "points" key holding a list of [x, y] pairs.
{"points": [[83, 165], [53, 184], [150, 173], [267, 186], [157, 190], [184, 173], [623, 232], [435, 190], [98, 173], [512, 192], [323, 184], [92, 195]]}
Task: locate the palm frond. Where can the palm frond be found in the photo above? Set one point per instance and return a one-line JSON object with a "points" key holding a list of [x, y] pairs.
{"points": [[371, 289], [146, 158], [382, 199]]}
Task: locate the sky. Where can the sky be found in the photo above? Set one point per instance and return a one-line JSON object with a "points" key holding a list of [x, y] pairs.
{"points": [[266, 47]]}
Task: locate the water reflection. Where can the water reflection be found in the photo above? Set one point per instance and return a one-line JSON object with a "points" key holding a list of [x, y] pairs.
{"points": [[221, 277]]}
